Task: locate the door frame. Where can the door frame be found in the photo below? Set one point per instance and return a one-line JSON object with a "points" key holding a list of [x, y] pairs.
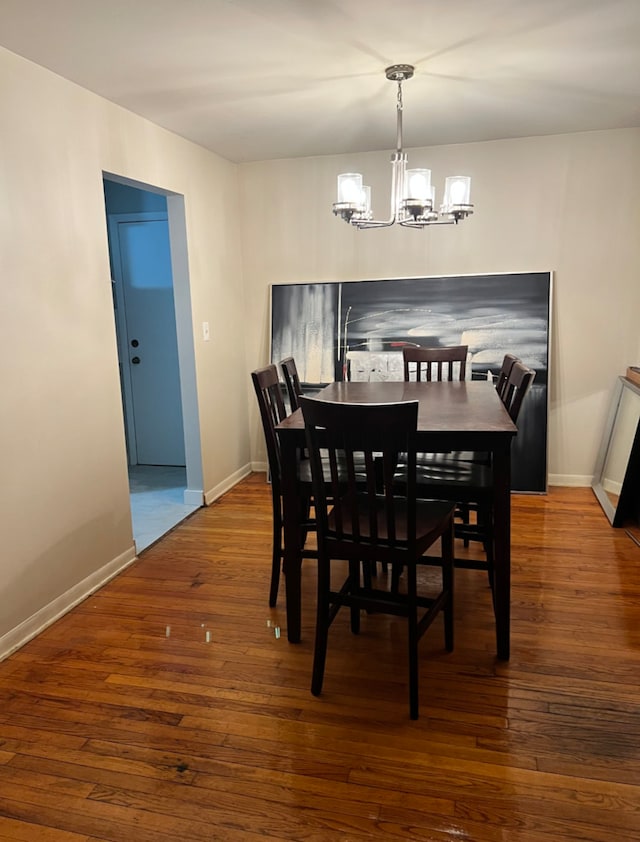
{"points": [[176, 217]]}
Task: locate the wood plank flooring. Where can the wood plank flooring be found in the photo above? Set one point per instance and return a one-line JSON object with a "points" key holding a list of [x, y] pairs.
{"points": [[169, 705]]}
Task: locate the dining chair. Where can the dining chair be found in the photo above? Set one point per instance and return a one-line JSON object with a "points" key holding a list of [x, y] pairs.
{"points": [[435, 363], [469, 483], [502, 382], [292, 381], [501, 388], [272, 410], [518, 383], [363, 518], [505, 371], [463, 510]]}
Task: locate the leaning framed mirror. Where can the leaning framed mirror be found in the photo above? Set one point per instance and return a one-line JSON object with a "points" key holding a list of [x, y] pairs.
{"points": [[616, 481]]}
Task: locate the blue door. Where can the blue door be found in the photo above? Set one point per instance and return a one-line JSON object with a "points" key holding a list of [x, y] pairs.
{"points": [[148, 341]]}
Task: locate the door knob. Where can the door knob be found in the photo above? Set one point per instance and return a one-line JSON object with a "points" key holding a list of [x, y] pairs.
{"points": [[135, 361]]}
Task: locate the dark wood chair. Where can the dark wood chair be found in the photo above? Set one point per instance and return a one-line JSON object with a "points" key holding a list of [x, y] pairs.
{"points": [[272, 410], [435, 363], [364, 520], [505, 371], [291, 381], [501, 388], [518, 384], [470, 483]]}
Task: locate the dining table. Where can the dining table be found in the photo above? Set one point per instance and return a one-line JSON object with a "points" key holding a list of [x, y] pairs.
{"points": [[452, 416]]}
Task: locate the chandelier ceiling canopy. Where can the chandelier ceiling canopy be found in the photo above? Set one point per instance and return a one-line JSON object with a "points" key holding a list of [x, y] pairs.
{"points": [[413, 202]]}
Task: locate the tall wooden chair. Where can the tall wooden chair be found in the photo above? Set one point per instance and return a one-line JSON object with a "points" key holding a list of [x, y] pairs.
{"points": [[480, 457], [366, 521], [469, 483], [518, 384], [505, 371], [501, 388], [292, 381], [435, 363], [272, 410]]}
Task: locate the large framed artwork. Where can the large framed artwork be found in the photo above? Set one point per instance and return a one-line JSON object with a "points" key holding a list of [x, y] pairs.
{"points": [[356, 330]]}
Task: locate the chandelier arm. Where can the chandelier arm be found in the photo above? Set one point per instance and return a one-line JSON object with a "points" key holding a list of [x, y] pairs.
{"points": [[411, 223], [372, 223]]}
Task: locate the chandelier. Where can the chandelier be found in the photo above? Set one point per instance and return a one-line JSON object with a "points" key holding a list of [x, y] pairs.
{"points": [[413, 201]]}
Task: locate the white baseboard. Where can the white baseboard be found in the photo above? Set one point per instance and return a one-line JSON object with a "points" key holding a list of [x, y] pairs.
{"points": [[571, 480], [212, 495], [193, 497], [43, 618], [259, 467]]}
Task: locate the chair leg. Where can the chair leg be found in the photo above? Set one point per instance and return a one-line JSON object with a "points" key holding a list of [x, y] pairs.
{"points": [[412, 635], [276, 553], [448, 585], [463, 513], [384, 567], [322, 626], [354, 584], [369, 569], [304, 530], [396, 572], [487, 522]]}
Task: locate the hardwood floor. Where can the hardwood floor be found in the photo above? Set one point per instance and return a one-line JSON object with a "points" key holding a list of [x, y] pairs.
{"points": [[169, 706]]}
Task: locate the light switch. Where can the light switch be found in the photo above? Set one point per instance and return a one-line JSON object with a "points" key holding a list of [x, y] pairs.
{"points": [[205, 331]]}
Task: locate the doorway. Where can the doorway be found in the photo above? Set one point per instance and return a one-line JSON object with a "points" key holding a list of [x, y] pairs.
{"points": [[147, 338], [152, 311]]}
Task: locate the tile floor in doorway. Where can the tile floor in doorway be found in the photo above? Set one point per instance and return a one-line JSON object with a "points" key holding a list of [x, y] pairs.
{"points": [[157, 501]]}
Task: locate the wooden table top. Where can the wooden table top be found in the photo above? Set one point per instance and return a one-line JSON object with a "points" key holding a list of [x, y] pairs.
{"points": [[448, 407]]}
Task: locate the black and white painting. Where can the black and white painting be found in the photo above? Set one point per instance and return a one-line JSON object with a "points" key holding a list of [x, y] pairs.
{"points": [[356, 330]]}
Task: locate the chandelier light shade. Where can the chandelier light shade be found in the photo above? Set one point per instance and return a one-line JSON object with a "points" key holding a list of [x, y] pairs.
{"points": [[413, 199]]}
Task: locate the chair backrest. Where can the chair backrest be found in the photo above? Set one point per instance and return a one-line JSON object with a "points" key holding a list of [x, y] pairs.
{"points": [[292, 381], [435, 363], [505, 371], [272, 410], [518, 384], [358, 444]]}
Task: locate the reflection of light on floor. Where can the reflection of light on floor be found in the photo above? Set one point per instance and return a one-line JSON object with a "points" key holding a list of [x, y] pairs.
{"points": [[275, 627], [157, 501]]}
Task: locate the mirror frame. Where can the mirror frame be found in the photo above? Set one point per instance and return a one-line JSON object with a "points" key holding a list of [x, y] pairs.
{"points": [[616, 514]]}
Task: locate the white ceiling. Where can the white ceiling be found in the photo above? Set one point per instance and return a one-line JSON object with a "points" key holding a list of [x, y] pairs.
{"points": [[261, 79]]}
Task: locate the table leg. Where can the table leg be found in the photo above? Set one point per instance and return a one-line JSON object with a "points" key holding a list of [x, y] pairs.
{"points": [[291, 517], [502, 549]]}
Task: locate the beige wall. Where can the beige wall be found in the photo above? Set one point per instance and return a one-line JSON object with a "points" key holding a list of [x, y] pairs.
{"points": [[64, 501], [569, 204]]}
